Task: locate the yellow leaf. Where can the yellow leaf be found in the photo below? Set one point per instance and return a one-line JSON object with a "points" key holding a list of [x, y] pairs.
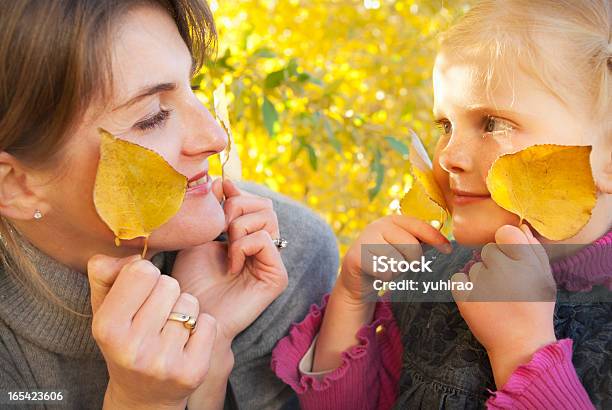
{"points": [[230, 162], [417, 202], [422, 169], [550, 186], [136, 190], [424, 200]]}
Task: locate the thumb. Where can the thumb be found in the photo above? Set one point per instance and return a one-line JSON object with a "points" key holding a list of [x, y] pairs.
{"points": [[513, 242], [102, 271], [230, 189], [536, 245], [460, 296]]}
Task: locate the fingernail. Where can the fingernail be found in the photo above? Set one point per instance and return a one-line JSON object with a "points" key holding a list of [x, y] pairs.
{"points": [[131, 258], [447, 248], [526, 229]]}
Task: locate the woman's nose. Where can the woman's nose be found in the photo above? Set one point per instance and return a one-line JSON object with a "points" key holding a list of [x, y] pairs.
{"points": [[458, 154], [205, 136]]}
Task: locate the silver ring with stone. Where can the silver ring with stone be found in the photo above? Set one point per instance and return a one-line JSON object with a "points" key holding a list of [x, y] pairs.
{"points": [[280, 243]]}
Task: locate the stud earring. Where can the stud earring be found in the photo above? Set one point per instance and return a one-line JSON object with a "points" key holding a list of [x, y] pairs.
{"points": [[37, 214]]}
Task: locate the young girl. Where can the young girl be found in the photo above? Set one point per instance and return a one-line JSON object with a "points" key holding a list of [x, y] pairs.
{"points": [[510, 75]]}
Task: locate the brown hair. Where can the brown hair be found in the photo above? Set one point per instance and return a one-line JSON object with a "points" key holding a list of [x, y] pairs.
{"points": [[54, 62]]}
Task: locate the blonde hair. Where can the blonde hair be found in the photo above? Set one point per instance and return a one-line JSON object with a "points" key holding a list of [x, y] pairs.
{"points": [[511, 32], [54, 61]]}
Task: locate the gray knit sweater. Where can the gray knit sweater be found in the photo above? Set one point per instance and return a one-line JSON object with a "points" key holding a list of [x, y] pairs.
{"points": [[45, 347]]}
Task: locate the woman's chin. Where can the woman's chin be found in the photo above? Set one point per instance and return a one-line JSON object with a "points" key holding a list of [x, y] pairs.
{"points": [[190, 227]]}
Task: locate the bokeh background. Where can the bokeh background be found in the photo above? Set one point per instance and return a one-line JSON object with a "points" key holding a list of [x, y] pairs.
{"points": [[322, 95]]}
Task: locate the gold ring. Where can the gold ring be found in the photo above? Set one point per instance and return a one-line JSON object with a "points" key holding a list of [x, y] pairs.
{"points": [[188, 321]]}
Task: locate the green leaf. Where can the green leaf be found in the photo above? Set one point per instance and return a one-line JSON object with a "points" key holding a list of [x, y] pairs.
{"points": [[312, 156], [274, 79], [292, 67], [297, 152], [333, 87], [331, 135], [379, 171], [306, 77], [270, 116], [264, 53], [297, 88], [397, 145]]}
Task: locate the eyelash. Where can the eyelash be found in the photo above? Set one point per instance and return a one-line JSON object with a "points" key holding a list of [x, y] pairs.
{"points": [[445, 125], [155, 121], [442, 124]]}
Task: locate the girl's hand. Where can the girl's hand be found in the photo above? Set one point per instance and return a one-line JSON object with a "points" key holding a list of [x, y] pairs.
{"points": [[510, 308], [236, 281], [350, 305], [153, 363], [356, 280]]}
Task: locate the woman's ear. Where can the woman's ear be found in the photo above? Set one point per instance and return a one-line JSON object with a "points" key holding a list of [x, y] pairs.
{"points": [[19, 198]]}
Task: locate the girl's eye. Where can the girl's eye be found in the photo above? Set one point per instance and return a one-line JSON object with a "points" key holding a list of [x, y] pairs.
{"points": [[445, 126], [494, 124], [154, 121]]}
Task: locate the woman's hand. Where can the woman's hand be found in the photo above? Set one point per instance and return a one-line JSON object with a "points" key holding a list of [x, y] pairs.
{"points": [[153, 363], [235, 282], [389, 231], [510, 308]]}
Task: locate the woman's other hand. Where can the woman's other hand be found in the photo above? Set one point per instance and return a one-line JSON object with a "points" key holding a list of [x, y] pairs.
{"points": [[153, 363]]}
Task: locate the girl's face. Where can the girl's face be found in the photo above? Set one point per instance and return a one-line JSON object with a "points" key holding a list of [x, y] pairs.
{"points": [[154, 107], [478, 125]]}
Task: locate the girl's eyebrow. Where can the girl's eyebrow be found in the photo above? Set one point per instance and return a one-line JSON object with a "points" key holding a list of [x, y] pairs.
{"points": [[487, 110], [146, 92]]}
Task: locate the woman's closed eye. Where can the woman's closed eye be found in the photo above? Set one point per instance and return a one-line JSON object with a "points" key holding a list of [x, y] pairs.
{"points": [[154, 121]]}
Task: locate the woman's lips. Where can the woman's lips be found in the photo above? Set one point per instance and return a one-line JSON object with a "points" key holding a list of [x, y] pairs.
{"points": [[203, 187], [465, 197]]}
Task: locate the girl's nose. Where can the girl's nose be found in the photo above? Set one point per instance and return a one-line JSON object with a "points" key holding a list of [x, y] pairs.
{"points": [[205, 136], [457, 155]]}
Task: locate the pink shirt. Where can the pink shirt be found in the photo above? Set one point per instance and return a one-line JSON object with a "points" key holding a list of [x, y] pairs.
{"points": [[549, 380]]}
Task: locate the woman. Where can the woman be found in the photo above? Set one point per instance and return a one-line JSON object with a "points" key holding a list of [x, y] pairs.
{"points": [[81, 317]]}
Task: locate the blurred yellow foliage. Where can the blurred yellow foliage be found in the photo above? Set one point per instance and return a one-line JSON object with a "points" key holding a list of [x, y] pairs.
{"points": [[322, 94]]}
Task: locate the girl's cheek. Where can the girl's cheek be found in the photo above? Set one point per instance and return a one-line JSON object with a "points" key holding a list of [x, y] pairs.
{"points": [[492, 147], [500, 142]]}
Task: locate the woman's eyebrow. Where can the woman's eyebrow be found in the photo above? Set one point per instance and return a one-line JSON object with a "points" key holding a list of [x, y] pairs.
{"points": [[147, 91]]}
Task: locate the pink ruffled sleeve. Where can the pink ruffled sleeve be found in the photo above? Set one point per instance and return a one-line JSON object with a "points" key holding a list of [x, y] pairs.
{"points": [[369, 373], [548, 381]]}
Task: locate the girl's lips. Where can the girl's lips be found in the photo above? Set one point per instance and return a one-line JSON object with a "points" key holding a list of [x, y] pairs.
{"points": [[465, 199]]}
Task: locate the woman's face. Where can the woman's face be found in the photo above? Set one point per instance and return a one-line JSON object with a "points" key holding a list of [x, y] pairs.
{"points": [[154, 107], [478, 126]]}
